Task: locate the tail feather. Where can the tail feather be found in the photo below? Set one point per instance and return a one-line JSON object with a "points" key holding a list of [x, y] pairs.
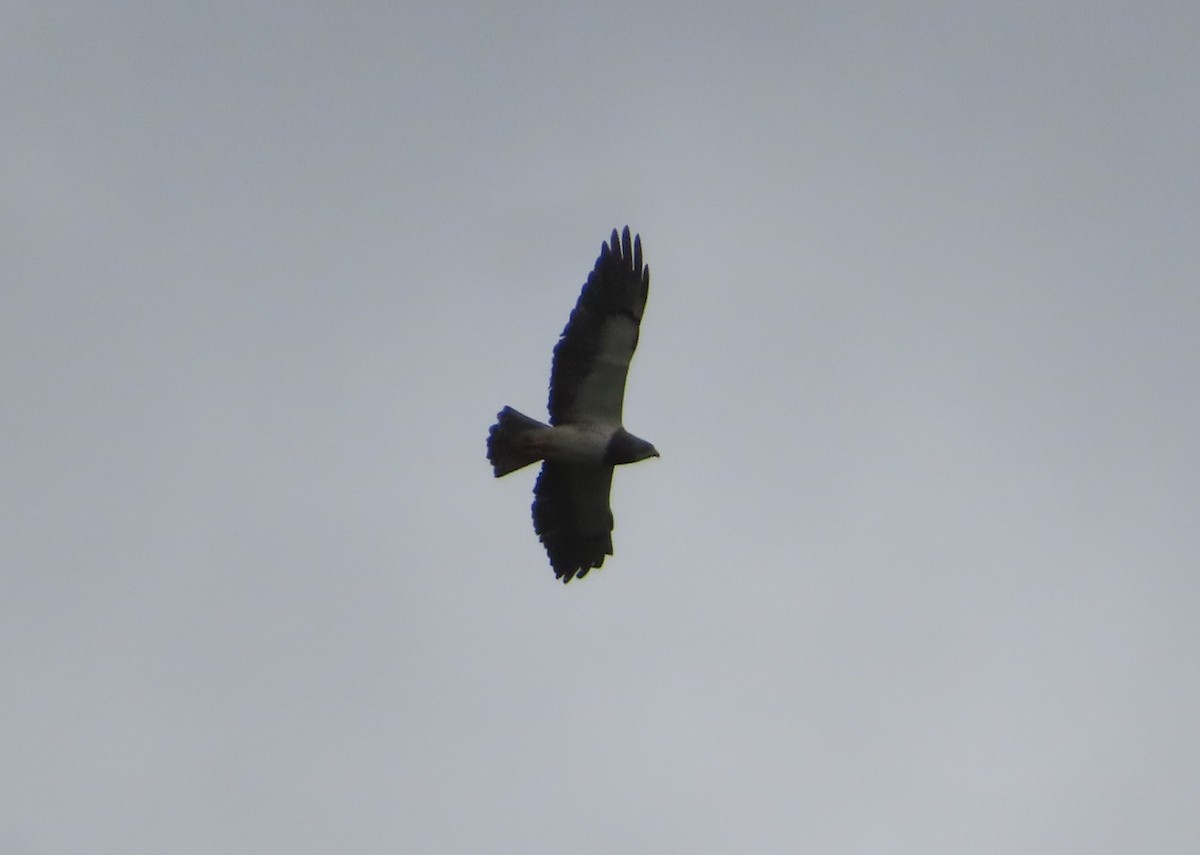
{"points": [[505, 450]]}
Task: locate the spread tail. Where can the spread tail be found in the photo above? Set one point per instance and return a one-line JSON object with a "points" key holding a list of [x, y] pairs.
{"points": [[505, 446]]}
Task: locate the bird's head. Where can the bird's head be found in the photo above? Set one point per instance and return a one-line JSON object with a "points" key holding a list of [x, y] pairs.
{"points": [[624, 447]]}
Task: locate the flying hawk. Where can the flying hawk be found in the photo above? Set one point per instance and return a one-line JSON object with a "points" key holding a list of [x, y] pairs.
{"points": [[584, 439]]}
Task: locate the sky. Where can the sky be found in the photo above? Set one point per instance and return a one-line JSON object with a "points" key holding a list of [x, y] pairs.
{"points": [[918, 570]]}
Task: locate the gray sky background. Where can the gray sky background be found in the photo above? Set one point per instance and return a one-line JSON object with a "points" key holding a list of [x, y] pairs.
{"points": [[917, 572]]}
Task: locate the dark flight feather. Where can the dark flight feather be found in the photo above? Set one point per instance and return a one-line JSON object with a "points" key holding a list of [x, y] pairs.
{"points": [[591, 359], [572, 518]]}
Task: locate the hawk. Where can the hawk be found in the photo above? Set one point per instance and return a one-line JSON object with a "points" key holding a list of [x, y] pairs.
{"points": [[585, 438]]}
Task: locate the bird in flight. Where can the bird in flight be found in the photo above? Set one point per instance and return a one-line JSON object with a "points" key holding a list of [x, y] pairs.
{"points": [[585, 438]]}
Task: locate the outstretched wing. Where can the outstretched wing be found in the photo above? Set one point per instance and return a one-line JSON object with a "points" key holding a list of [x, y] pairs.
{"points": [[571, 516], [591, 359]]}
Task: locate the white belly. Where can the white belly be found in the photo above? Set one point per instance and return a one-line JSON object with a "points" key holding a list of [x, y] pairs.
{"points": [[575, 444]]}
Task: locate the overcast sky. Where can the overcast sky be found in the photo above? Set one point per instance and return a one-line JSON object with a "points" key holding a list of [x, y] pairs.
{"points": [[918, 570]]}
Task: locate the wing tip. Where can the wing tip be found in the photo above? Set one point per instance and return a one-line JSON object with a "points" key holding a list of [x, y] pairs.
{"points": [[627, 246], [577, 569]]}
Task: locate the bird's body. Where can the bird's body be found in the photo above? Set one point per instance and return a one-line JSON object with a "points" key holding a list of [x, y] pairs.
{"points": [[585, 438]]}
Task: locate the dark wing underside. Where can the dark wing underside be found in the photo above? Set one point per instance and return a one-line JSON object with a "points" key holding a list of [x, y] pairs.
{"points": [[571, 516], [591, 359]]}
